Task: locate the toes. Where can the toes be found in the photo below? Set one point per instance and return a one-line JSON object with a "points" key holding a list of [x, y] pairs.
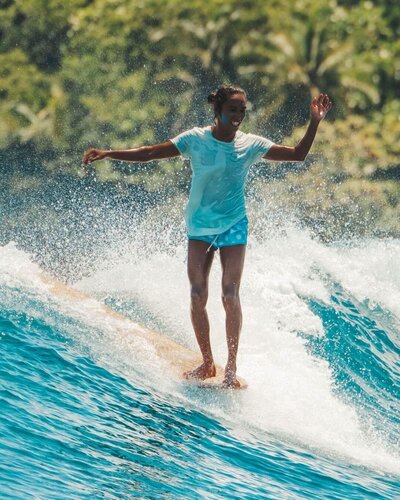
{"points": [[231, 384]]}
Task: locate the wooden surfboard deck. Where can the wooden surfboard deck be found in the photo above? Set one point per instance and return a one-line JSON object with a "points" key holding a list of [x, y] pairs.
{"points": [[215, 383], [179, 358]]}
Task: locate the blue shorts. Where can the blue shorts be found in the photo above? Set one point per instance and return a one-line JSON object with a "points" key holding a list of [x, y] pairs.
{"points": [[235, 235]]}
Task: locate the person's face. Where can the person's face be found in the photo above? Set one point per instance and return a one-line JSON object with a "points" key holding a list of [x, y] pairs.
{"points": [[233, 111]]}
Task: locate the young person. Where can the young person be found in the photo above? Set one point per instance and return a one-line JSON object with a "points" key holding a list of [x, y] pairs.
{"points": [[215, 214]]}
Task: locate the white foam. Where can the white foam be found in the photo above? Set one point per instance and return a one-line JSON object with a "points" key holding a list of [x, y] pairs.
{"points": [[290, 392], [18, 268], [371, 271], [108, 339]]}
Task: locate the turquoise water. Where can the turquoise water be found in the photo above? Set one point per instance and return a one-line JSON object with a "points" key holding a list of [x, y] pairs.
{"points": [[88, 411]]}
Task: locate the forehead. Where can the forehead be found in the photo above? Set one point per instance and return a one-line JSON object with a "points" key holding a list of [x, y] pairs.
{"points": [[236, 100]]}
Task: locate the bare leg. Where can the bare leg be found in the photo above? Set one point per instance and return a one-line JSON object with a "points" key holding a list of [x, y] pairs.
{"points": [[199, 265], [232, 261]]}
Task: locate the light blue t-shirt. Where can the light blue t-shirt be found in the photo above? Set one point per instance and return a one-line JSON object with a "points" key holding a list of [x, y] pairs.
{"points": [[219, 172]]}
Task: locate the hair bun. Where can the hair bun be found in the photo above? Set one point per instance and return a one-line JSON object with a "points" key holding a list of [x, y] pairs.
{"points": [[212, 97], [221, 95]]}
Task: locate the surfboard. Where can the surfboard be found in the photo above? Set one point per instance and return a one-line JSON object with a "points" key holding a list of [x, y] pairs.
{"points": [[178, 357], [215, 383]]}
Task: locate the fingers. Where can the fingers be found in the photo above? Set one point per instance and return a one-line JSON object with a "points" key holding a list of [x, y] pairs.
{"points": [[320, 106], [87, 157], [92, 155], [324, 101]]}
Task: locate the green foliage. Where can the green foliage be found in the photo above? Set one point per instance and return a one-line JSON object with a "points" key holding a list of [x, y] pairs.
{"points": [[39, 28], [358, 146], [24, 92], [119, 73]]}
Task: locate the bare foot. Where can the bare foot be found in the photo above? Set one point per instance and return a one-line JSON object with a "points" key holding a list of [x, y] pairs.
{"points": [[230, 381], [201, 372]]}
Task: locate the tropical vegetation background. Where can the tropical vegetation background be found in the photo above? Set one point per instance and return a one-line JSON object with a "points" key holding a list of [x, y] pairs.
{"points": [[119, 73]]}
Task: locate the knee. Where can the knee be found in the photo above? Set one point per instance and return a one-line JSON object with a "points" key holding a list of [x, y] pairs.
{"points": [[230, 295], [198, 297]]}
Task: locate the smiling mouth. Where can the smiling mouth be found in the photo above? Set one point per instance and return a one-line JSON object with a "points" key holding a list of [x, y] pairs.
{"points": [[236, 124]]}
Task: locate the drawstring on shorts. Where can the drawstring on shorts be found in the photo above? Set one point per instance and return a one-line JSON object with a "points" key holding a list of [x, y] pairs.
{"points": [[212, 243]]}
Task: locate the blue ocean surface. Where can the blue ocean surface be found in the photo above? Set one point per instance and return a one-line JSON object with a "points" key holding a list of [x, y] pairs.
{"points": [[88, 411]]}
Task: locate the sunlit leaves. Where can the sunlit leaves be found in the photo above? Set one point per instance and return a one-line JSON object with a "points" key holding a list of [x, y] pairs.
{"points": [[120, 73]]}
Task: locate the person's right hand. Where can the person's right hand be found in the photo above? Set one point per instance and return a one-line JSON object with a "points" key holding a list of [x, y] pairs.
{"points": [[94, 154]]}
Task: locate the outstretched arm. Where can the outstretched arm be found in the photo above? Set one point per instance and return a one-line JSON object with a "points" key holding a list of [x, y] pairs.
{"points": [[319, 108], [142, 154]]}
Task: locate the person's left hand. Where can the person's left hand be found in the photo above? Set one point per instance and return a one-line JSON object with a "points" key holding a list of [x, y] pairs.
{"points": [[320, 106]]}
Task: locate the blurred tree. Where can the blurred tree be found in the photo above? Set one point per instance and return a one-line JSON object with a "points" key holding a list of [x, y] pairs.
{"points": [[119, 73], [24, 92], [39, 28]]}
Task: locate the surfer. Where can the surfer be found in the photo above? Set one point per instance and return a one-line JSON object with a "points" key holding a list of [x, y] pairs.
{"points": [[215, 214]]}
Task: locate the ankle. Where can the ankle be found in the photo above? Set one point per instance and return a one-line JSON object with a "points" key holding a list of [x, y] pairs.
{"points": [[230, 367], [209, 362]]}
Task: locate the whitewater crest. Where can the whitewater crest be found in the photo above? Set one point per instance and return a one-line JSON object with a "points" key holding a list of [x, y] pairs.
{"points": [[293, 393]]}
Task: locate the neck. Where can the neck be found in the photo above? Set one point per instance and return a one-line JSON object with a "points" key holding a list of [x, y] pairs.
{"points": [[222, 132]]}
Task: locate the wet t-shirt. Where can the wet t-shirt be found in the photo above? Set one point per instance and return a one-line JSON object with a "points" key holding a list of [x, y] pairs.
{"points": [[219, 172]]}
